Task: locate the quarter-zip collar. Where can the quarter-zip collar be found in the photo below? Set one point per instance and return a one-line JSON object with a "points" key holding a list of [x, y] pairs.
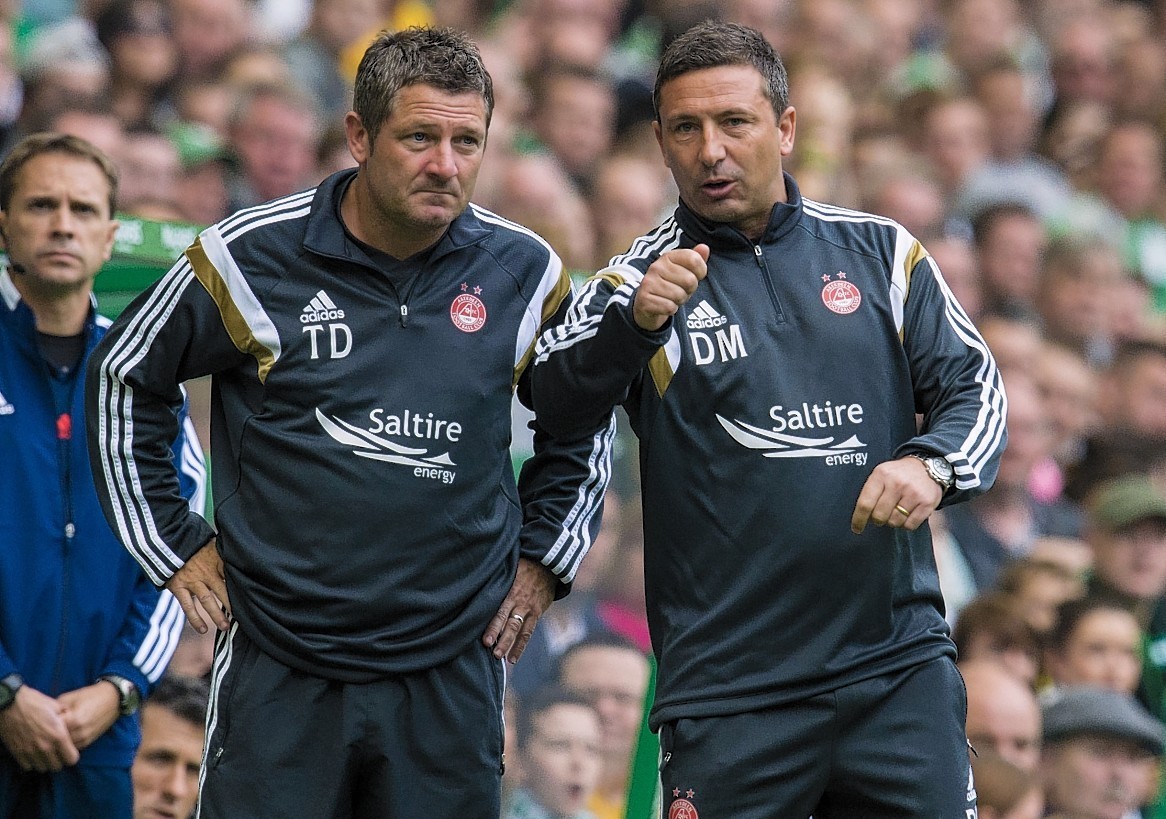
{"points": [[782, 219], [325, 234]]}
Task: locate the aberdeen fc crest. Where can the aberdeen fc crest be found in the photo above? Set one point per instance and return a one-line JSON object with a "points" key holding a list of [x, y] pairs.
{"points": [[467, 312], [682, 808], [840, 296]]}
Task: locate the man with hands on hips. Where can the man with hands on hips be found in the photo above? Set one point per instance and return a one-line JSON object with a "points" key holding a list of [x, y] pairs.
{"points": [[374, 561], [772, 353]]}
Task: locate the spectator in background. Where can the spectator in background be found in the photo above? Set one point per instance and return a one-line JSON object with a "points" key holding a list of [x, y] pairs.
{"points": [[956, 141], [1014, 172], [1082, 59], [559, 743], [823, 153], [143, 57], [612, 674], [1003, 524], [534, 189], [64, 66], [206, 102], [201, 191], [274, 132], [1037, 588], [1129, 178], [166, 767], [1071, 392], [991, 627], [1004, 790], [1099, 753], [1076, 285], [574, 111], [1127, 531], [1011, 242], [207, 33], [1003, 713], [911, 196], [149, 163], [94, 122], [627, 198], [1014, 336], [1095, 640], [313, 58], [1133, 391], [84, 634], [1141, 76]]}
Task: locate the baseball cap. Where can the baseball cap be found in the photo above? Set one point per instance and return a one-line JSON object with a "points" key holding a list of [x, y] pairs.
{"points": [[1124, 501], [197, 143], [1082, 710]]}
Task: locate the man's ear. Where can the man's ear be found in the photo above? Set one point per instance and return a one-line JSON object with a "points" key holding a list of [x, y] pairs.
{"points": [[357, 136]]}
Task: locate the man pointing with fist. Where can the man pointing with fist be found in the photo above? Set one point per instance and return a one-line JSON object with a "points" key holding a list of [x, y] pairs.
{"points": [[772, 353]]}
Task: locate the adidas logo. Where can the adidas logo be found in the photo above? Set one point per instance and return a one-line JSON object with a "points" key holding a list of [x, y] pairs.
{"points": [[5, 407], [703, 316], [320, 308]]}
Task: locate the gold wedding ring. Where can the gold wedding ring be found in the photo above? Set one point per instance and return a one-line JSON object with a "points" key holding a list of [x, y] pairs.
{"points": [[906, 514]]}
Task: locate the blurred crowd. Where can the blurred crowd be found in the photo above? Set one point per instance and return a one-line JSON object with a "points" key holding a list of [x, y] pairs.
{"points": [[1021, 142]]}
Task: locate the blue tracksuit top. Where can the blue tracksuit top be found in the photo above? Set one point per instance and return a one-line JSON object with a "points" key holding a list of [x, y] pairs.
{"points": [[73, 603]]}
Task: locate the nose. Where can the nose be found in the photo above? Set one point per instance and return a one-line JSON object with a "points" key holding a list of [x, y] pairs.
{"points": [[441, 161], [712, 149], [178, 783], [63, 221]]}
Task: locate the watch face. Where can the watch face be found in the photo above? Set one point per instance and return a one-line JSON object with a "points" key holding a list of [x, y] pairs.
{"points": [[943, 469], [7, 695]]}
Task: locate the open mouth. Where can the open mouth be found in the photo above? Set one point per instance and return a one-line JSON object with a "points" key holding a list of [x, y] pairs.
{"points": [[717, 188]]}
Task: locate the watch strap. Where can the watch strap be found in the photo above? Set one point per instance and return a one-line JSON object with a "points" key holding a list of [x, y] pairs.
{"points": [[129, 698], [9, 685]]}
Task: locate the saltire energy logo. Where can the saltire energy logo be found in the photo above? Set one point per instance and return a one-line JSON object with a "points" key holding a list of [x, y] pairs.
{"points": [[368, 444], [777, 442]]}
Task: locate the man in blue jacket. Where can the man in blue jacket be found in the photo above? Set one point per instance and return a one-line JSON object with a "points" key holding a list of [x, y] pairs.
{"points": [[772, 354], [84, 635]]}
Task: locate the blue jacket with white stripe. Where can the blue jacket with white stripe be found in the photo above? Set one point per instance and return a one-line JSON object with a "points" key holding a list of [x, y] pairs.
{"points": [[365, 499], [73, 604], [762, 406]]}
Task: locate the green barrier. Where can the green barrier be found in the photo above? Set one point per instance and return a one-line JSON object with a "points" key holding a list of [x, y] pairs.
{"points": [[143, 250], [644, 787]]}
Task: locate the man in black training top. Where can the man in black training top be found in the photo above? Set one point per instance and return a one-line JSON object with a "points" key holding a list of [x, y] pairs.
{"points": [[374, 561], [772, 353]]}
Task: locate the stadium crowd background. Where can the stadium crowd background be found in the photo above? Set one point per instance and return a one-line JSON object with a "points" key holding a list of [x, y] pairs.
{"points": [[1021, 142]]}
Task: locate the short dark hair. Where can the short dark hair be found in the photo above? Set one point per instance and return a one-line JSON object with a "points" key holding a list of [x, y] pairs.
{"points": [[185, 697], [47, 142], [541, 701], [712, 44], [441, 57], [1071, 612], [600, 639]]}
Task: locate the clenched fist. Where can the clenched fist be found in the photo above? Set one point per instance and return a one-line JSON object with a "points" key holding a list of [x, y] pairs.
{"points": [[669, 283]]}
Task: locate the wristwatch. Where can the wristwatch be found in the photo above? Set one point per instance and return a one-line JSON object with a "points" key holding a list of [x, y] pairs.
{"points": [[939, 469], [129, 698], [8, 687]]}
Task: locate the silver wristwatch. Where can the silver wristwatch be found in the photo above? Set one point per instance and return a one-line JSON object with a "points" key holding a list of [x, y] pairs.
{"points": [[129, 698], [939, 469], [8, 687]]}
